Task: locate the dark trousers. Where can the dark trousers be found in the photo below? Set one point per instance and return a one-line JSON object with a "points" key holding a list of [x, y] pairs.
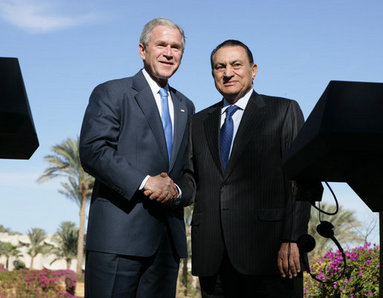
{"points": [[231, 284], [111, 275]]}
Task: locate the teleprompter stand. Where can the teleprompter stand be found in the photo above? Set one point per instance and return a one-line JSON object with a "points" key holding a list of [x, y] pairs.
{"points": [[342, 141]]}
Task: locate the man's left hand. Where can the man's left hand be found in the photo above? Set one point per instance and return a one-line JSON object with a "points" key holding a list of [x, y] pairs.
{"points": [[288, 260]]}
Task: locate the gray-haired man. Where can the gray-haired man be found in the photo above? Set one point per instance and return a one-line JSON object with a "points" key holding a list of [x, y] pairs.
{"points": [[133, 139]]}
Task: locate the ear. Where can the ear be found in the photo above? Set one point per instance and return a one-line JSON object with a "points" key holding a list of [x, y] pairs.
{"points": [[254, 70], [141, 50]]}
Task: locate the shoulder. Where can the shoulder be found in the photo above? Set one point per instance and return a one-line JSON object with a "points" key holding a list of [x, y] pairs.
{"points": [[211, 109], [112, 91], [277, 100], [285, 109], [115, 84], [180, 96], [215, 108]]}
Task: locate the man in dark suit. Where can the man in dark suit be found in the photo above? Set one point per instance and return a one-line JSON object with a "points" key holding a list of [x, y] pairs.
{"points": [[246, 221], [133, 139]]}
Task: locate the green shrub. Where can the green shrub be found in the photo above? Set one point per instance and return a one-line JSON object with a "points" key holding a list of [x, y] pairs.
{"points": [[361, 277], [17, 264]]}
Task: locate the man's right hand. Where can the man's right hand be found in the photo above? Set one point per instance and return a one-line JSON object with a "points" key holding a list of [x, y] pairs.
{"points": [[161, 188]]}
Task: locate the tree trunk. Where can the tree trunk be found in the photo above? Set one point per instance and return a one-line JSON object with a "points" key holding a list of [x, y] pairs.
{"points": [[185, 274], [31, 265], [68, 263], [80, 243]]}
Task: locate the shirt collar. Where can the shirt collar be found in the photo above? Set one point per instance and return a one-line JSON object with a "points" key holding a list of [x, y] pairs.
{"points": [[152, 83], [241, 103]]}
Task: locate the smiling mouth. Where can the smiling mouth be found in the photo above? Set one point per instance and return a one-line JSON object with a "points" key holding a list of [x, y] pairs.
{"points": [[166, 63], [229, 83]]}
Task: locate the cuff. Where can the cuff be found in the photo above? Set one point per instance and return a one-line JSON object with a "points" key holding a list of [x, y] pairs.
{"points": [[144, 182]]}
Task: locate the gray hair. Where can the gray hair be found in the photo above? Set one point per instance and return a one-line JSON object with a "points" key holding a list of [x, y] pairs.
{"points": [[146, 33]]}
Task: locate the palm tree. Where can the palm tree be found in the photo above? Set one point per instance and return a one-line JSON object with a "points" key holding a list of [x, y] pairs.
{"points": [[65, 162], [9, 250], [36, 237], [67, 239], [187, 217], [344, 222]]}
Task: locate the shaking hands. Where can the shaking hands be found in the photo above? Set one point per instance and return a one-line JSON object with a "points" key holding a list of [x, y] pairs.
{"points": [[161, 188]]}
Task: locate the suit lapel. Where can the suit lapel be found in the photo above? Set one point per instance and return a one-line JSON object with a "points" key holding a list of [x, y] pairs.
{"points": [[212, 128], [147, 103], [180, 121], [252, 117]]}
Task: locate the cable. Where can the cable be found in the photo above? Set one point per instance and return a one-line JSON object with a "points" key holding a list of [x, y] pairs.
{"points": [[335, 199]]}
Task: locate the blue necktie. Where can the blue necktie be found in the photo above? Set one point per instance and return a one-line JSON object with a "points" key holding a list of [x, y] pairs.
{"points": [[227, 135], [166, 121]]}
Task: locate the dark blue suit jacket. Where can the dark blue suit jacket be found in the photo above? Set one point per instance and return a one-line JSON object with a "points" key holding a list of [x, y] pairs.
{"points": [[122, 141]]}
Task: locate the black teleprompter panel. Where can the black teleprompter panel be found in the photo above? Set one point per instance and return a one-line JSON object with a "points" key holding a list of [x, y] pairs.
{"points": [[342, 141], [18, 138]]}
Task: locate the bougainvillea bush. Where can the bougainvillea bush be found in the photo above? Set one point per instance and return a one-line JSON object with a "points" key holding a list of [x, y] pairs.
{"points": [[361, 278], [37, 283]]}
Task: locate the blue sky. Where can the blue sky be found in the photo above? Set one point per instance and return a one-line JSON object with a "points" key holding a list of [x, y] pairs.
{"points": [[66, 47]]}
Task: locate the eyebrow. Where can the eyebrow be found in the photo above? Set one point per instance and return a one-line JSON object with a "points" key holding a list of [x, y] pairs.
{"points": [[231, 62], [161, 42]]}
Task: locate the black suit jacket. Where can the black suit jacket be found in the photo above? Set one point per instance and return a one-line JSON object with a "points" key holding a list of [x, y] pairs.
{"points": [[122, 141], [249, 209]]}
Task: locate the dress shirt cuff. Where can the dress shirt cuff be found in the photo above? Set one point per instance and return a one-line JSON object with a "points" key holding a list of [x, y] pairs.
{"points": [[144, 182], [179, 192], [178, 200]]}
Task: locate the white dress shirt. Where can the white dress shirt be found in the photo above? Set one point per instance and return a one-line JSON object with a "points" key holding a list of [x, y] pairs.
{"points": [[156, 93], [155, 90]]}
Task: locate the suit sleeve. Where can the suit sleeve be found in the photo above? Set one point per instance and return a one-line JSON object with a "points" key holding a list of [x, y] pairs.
{"points": [[99, 141], [297, 213], [187, 182]]}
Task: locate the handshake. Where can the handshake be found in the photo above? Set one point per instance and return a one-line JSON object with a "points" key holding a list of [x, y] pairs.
{"points": [[161, 188]]}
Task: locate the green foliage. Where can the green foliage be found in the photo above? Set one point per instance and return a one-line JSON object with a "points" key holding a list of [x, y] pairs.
{"points": [[360, 279], [65, 163], [37, 237], [44, 283], [18, 264], [66, 238], [8, 250], [8, 231]]}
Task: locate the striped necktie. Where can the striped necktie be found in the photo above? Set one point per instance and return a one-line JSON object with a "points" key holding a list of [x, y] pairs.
{"points": [[227, 135]]}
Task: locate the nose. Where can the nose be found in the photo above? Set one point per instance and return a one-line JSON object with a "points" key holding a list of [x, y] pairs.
{"points": [[228, 72], [168, 51]]}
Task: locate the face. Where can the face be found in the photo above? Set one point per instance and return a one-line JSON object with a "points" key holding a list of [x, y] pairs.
{"points": [[162, 56], [232, 72]]}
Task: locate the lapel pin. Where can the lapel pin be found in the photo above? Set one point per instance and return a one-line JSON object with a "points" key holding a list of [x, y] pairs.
{"points": [[182, 110]]}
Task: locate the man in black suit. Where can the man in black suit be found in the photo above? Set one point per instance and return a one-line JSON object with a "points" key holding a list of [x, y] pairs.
{"points": [[133, 139], [246, 221]]}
